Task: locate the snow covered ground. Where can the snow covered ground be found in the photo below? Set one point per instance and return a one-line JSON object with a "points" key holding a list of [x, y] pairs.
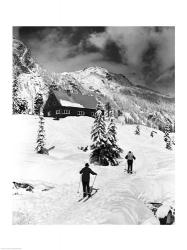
{"points": [[121, 198]]}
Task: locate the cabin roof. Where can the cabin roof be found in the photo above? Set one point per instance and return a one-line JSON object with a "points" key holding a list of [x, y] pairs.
{"points": [[75, 100]]}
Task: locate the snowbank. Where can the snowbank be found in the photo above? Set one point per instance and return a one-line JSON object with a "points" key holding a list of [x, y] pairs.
{"points": [[163, 210]]}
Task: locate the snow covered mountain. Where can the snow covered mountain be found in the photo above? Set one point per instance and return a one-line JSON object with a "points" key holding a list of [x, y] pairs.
{"points": [[22, 60], [133, 103]]}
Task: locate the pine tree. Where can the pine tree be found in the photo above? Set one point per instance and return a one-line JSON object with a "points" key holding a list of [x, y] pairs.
{"points": [[113, 151], [169, 144], [98, 135], [36, 84], [14, 95], [108, 109], [152, 134], [38, 102], [167, 138], [19, 106], [137, 131], [41, 136], [166, 132], [22, 106]]}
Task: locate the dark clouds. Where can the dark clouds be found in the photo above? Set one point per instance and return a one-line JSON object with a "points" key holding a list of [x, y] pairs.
{"points": [[143, 51], [150, 62], [111, 51]]}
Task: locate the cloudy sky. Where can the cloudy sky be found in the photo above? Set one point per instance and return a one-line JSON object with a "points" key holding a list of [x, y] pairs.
{"points": [[142, 53]]}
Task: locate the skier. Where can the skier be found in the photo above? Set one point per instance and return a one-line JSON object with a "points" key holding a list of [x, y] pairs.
{"points": [[86, 171], [130, 157]]}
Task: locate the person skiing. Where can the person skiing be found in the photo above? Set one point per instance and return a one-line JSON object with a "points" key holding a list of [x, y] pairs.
{"points": [[86, 171], [130, 157]]}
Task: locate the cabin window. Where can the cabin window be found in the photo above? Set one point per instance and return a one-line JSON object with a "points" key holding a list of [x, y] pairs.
{"points": [[80, 113], [58, 112], [66, 111], [48, 113], [92, 113]]}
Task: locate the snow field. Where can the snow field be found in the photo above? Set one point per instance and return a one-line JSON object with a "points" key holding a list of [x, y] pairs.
{"points": [[120, 199]]}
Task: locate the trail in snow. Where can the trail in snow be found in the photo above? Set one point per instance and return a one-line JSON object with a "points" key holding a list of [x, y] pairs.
{"points": [[108, 206]]}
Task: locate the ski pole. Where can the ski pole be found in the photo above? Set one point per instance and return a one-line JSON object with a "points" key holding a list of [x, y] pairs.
{"points": [[79, 185], [94, 181]]}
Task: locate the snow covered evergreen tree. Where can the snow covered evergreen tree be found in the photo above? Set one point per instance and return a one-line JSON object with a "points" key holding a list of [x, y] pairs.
{"points": [[167, 138], [98, 135], [31, 84], [14, 94], [166, 132], [108, 109], [137, 131], [113, 151], [41, 136], [38, 102], [169, 144], [19, 105]]}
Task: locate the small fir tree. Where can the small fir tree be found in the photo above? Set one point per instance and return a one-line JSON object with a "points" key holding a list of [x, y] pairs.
{"points": [[41, 136], [22, 106], [166, 132], [137, 131], [169, 144], [167, 138], [19, 105], [119, 113], [15, 108], [36, 82], [98, 135], [53, 86], [38, 102], [108, 109]]}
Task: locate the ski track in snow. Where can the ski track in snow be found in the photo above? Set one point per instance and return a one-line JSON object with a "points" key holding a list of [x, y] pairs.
{"points": [[121, 197]]}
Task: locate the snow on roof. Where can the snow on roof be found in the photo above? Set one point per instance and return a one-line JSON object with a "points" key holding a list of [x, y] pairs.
{"points": [[76, 100], [70, 104]]}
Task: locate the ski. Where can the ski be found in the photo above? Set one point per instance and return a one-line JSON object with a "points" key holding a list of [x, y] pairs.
{"points": [[133, 172], [86, 198], [82, 199], [90, 196]]}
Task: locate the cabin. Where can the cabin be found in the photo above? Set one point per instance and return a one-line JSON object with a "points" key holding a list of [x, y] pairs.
{"points": [[61, 104]]}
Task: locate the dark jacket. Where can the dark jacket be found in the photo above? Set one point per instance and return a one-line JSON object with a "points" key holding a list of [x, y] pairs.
{"points": [[86, 171], [130, 157]]}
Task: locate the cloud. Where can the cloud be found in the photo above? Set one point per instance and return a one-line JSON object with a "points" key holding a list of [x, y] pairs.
{"points": [[55, 47], [98, 39], [137, 43], [142, 53]]}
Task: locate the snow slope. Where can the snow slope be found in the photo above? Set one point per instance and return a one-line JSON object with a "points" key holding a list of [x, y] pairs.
{"points": [[121, 199]]}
